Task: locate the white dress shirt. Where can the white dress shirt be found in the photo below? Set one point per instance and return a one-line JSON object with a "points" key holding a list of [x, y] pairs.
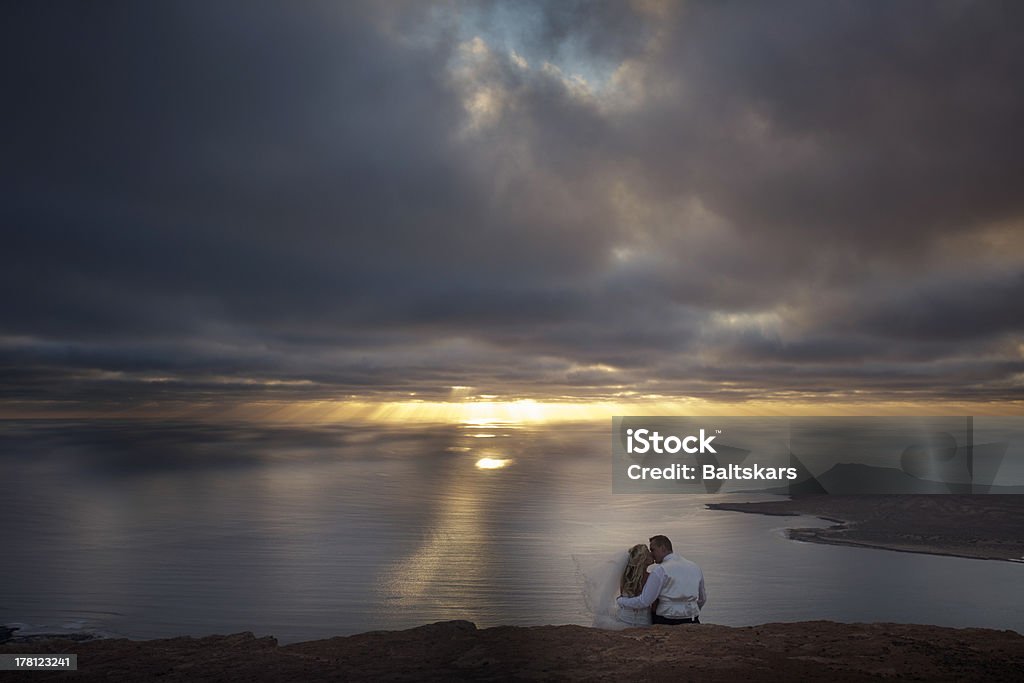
{"points": [[678, 586]]}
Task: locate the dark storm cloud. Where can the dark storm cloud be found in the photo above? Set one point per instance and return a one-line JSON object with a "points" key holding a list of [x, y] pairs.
{"points": [[720, 200], [955, 310], [873, 124]]}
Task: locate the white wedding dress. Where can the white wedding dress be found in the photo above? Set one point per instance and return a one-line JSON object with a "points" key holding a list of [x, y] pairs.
{"points": [[600, 577], [635, 617]]}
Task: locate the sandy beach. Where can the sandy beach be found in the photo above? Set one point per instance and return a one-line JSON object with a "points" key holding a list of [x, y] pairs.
{"points": [[987, 527]]}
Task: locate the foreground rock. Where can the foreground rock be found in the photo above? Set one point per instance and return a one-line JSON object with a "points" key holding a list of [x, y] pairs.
{"points": [[458, 650], [987, 527]]}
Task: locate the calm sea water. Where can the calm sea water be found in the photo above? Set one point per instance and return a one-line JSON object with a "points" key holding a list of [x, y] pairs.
{"points": [[146, 529]]}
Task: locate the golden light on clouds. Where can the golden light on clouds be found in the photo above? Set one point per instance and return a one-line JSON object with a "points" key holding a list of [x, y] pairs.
{"points": [[489, 415]]}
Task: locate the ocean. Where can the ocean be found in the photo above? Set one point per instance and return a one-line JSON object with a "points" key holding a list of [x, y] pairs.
{"points": [[147, 529]]}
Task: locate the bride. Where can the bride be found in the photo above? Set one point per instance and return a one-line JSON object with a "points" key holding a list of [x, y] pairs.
{"points": [[602, 577], [634, 576]]}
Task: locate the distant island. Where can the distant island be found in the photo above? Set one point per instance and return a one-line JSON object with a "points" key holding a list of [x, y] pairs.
{"points": [[987, 527], [856, 478]]}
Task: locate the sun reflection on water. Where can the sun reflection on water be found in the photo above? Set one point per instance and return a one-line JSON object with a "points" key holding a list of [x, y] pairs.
{"points": [[492, 463]]}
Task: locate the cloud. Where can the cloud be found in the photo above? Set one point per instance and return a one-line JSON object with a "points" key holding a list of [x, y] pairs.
{"points": [[532, 199]]}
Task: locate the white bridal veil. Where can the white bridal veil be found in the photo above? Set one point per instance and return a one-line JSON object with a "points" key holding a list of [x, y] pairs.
{"points": [[599, 576]]}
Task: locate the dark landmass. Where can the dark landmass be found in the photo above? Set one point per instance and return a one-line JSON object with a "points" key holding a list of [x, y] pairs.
{"points": [[11, 635], [987, 527], [858, 479], [819, 650]]}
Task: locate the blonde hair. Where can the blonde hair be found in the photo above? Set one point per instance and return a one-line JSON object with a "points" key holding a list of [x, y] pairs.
{"points": [[633, 576]]}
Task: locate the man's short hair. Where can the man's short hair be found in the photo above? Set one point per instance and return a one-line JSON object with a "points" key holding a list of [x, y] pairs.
{"points": [[661, 542]]}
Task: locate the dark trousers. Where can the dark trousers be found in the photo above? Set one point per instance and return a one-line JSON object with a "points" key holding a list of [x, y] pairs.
{"points": [[658, 619]]}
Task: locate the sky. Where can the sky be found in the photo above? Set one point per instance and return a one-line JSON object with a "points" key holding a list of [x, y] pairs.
{"points": [[332, 209]]}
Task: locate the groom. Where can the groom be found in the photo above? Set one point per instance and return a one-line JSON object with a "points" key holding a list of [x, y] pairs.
{"points": [[675, 582]]}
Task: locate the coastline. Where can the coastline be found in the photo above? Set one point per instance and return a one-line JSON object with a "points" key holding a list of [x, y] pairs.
{"points": [[817, 650], [985, 527]]}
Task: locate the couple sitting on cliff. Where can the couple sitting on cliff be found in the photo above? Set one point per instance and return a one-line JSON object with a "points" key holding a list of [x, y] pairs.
{"points": [[660, 587]]}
